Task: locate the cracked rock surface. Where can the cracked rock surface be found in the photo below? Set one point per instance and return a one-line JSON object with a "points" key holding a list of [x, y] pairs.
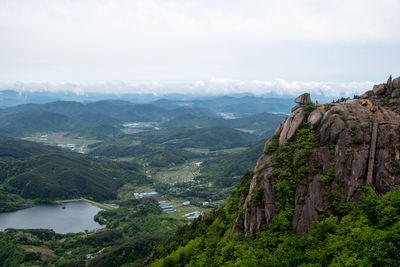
{"points": [[344, 137]]}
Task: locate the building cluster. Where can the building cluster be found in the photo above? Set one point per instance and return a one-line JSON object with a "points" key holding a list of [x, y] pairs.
{"points": [[192, 215], [143, 195], [166, 206]]}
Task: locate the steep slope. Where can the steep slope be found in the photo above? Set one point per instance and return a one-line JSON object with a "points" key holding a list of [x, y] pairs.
{"points": [[324, 192], [343, 147]]}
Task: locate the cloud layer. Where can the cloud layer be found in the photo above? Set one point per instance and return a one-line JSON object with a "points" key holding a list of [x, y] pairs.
{"points": [[210, 87]]}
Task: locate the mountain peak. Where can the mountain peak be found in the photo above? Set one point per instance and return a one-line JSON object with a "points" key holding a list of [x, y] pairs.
{"points": [[322, 156]]}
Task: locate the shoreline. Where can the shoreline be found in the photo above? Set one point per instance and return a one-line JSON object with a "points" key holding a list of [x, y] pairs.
{"points": [[61, 202], [97, 204]]}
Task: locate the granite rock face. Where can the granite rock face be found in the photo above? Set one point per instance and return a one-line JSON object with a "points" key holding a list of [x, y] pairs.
{"points": [[302, 99], [359, 137], [291, 125], [314, 118], [379, 89], [396, 82]]}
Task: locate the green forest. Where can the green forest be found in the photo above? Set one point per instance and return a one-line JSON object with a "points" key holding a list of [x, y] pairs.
{"points": [[366, 233]]}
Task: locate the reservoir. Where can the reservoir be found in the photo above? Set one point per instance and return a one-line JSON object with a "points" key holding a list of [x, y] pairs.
{"points": [[76, 217]]}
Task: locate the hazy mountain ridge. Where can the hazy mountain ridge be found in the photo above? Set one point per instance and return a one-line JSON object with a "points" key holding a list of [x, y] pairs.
{"points": [[261, 123]]}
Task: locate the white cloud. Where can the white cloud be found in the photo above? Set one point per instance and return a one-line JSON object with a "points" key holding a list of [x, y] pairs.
{"points": [[78, 91], [278, 87]]}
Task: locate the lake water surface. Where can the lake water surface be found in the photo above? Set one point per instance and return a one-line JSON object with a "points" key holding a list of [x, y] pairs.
{"points": [[76, 217]]}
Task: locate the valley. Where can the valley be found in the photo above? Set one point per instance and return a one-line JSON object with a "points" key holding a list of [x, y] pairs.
{"points": [[172, 192], [114, 157]]}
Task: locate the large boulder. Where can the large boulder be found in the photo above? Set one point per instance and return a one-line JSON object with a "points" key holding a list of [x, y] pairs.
{"points": [[396, 93], [302, 99], [379, 89], [291, 125], [314, 118], [367, 94]]}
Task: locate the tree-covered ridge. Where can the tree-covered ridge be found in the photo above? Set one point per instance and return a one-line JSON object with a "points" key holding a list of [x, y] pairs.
{"points": [[368, 234], [10, 201], [166, 147], [31, 171], [70, 175], [262, 124], [211, 137], [15, 148], [27, 119]]}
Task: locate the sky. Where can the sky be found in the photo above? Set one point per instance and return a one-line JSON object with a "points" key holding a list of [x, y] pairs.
{"points": [[333, 46]]}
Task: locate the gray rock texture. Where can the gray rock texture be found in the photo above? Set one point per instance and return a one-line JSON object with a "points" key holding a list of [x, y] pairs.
{"points": [[314, 118], [302, 99], [379, 89], [389, 82], [396, 82], [396, 93], [344, 134], [291, 125]]}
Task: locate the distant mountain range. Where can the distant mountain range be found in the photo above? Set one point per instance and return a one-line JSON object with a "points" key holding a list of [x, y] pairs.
{"points": [[250, 112], [227, 103]]}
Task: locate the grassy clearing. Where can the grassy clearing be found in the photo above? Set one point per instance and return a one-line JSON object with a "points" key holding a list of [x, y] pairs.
{"points": [[46, 253], [182, 173]]}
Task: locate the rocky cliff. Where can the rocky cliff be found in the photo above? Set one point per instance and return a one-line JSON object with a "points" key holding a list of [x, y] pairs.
{"points": [[322, 156]]}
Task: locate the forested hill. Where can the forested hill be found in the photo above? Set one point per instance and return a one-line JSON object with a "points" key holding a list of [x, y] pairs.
{"points": [[31, 171], [16, 148], [324, 192]]}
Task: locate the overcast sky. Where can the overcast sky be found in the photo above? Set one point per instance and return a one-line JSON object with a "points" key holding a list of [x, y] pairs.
{"points": [[249, 41]]}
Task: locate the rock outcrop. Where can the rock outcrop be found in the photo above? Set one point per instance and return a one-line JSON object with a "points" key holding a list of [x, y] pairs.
{"points": [[291, 125], [295, 120], [358, 145], [302, 99]]}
